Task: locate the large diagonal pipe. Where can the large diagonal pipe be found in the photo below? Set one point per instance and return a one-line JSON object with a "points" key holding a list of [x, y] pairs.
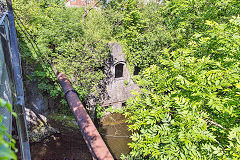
{"points": [[90, 134]]}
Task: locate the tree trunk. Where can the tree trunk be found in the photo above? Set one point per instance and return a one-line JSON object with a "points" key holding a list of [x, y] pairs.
{"points": [[87, 11]]}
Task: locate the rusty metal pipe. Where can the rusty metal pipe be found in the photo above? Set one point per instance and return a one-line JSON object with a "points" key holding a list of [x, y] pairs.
{"points": [[90, 134]]}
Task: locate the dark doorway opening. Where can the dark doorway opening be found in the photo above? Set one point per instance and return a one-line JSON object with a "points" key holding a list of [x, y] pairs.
{"points": [[119, 70], [136, 70]]}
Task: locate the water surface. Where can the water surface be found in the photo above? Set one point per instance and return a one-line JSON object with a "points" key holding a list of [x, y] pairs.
{"points": [[70, 145]]}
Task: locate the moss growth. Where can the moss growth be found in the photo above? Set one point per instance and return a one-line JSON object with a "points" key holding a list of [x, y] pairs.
{"points": [[66, 120]]}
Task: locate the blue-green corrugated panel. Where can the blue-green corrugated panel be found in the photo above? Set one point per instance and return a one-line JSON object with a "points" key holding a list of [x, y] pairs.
{"points": [[5, 82]]}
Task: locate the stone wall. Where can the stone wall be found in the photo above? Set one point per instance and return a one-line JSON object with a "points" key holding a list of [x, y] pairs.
{"points": [[118, 89]]}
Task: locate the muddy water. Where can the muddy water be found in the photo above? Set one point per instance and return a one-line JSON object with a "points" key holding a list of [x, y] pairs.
{"points": [[61, 147], [69, 144], [115, 134]]}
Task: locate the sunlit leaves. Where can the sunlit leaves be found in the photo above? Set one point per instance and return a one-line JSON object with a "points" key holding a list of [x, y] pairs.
{"points": [[5, 146], [189, 106], [62, 40]]}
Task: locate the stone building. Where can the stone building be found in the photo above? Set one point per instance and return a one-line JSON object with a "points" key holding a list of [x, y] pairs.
{"points": [[119, 83]]}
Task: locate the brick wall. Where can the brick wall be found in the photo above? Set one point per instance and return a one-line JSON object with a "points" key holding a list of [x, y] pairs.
{"points": [[81, 2]]}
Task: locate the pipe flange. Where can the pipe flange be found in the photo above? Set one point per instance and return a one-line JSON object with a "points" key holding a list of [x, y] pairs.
{"points": [[70, 90]]}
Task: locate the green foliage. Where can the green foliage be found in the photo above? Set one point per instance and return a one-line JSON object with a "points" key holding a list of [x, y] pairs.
{"points": [[5, 146], [140, 30], [57, 37], [67, 121], [189, 104], [99, 111], [188, 52]]}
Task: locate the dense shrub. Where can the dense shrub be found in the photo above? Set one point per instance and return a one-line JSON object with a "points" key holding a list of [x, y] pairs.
{"points": [[54, 35], [188, 52], [189, 105]]}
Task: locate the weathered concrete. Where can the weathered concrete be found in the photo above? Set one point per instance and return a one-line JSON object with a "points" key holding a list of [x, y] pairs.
{"points": [[34, 98], [38, 126], [37, 107], [118, 90]]}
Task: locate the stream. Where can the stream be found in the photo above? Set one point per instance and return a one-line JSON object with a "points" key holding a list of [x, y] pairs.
{"points": [[70, 145], [115, 133]]}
